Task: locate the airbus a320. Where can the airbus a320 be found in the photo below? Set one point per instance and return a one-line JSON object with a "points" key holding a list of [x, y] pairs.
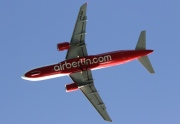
{"points": [[78, 64]]}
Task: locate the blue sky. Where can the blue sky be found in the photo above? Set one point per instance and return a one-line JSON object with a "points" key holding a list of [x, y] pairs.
{"points": [[29, 32]]}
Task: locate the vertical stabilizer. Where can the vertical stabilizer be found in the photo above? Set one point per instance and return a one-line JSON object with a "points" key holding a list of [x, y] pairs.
{"points": [[141, 44]]}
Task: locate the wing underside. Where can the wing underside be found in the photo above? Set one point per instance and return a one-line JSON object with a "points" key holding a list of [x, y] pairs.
{"points": [[78, 46], [92, 95], [85, 81]]}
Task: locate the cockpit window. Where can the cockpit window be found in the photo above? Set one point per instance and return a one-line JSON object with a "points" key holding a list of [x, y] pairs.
{"points": [[33, 73]]}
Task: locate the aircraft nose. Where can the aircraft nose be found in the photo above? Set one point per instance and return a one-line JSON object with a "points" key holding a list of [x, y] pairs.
{"points": [[23, 77], [32, 74]]}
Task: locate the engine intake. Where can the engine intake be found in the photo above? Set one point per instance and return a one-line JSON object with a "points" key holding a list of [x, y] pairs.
{"points": [[71, 87], [63, 46]]}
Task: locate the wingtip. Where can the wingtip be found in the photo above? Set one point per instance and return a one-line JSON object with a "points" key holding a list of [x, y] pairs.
{"points": [[109, 120], [84, 5]]}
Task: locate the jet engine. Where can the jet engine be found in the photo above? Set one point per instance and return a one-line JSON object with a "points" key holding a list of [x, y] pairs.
{"points": [[63, 46], [71, 87]]}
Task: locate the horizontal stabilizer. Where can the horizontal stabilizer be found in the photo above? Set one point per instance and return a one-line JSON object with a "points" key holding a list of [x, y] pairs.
{"points": [[146, 63]]}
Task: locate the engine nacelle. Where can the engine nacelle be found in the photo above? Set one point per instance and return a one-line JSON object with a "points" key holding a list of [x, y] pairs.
{"points": [[71, 87], [63, 46]]}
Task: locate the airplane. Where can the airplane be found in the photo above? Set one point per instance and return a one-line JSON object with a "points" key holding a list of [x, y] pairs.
{"points": [[78, 64]]}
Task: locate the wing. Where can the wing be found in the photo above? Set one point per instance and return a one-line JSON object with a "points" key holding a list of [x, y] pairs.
{"points": [[77, 43], [85, 81]]}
